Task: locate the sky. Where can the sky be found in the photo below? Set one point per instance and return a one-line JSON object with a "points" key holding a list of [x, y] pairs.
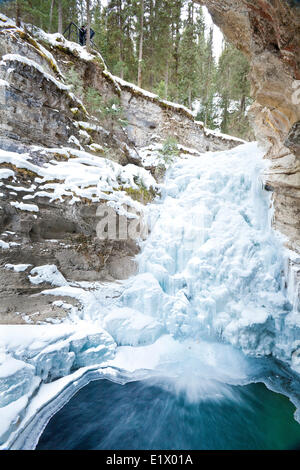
{"points": [[218, 36]]}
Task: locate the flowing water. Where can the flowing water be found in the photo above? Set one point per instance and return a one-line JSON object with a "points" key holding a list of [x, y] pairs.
{"points": [[207, 302], [146, 415]]}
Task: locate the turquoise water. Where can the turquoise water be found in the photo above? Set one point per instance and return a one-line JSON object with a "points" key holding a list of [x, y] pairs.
{"points": [[148, 415]]}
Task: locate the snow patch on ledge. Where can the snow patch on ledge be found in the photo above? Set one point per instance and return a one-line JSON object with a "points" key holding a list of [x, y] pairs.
{"points": [[48, 273], [25, 207], [17, 268], [209, 132]]}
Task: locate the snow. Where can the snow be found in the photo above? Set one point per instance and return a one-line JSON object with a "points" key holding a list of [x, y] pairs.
{"points": [[21, 188], [222, 136], [48, 273], [96, 148], [25, 207], [33, 64], [73, 140], [58, 39], [5, 173], [82, 175], [4, 83], [7, 21], [90, 126], [17, 268], [4, 245]]}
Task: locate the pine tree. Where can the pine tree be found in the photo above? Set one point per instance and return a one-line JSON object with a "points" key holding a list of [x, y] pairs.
{"points": [[234, 91], [162, 45], [88, 27], [141, 40], [188, 60]]}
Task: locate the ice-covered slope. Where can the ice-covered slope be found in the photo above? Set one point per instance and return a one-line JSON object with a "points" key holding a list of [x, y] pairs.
{"points": [[211, 272]]}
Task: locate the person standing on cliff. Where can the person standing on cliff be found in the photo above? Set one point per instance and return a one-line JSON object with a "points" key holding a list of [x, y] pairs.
{"points": [[82, 35]]}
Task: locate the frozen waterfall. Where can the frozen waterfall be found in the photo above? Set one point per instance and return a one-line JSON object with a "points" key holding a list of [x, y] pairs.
{"points": [[212, 267]]}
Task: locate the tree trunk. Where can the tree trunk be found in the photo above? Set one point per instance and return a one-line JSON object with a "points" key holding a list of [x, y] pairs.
{"points": [[141, 45], [167, 80], [121, 46], [243, 105], [51, 16], [18, 13], [176, 45], [60, 17], [88, 26], [190, 96]]}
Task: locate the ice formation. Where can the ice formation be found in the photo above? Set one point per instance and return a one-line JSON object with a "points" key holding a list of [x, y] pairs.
{"points": [[211, 272]]}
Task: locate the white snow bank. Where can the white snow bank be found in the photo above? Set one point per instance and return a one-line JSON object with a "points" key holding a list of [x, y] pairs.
{"points": [[222, 136], [58, 39]]}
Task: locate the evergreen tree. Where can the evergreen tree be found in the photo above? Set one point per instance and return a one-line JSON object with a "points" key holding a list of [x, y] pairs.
{"points": [[234, 91], [162, 45], [188, 73]]}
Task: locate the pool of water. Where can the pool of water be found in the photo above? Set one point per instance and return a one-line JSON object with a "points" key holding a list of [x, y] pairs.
{"points": [[149, 415]]}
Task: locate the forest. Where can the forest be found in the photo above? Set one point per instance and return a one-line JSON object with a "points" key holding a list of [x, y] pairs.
{"points": [[162, 46]]}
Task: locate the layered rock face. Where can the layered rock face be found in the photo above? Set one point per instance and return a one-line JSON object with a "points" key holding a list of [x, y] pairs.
{"points": [[59, 163], [268, 32]]}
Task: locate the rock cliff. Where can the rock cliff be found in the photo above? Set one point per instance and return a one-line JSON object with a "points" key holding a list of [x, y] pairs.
{"points": [[58, 162]]}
